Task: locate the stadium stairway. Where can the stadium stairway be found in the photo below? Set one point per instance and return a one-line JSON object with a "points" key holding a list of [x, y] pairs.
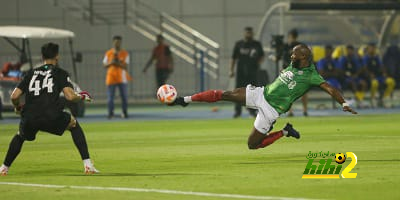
{"points": [[186, 43]]}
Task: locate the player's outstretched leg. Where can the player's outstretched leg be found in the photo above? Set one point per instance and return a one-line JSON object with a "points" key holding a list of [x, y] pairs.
{"points": [[259, 140], [238, 96], [13, 150], [80, 142]]}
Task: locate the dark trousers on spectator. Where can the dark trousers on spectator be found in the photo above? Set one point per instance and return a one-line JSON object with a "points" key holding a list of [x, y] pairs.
{"points": [[245, 76], [123, 91], [162, 76]]}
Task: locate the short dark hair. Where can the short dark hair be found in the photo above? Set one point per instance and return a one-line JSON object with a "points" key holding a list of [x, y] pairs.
{"points": [[294, 33], [49, 50], [159, 36], [248, 28], [117, 37]]}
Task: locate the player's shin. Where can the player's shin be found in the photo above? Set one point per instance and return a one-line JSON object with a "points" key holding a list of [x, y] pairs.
{"points": [[207, 96], [359, 95], [270, 138], [390, 85], [374, 88], [13, 150], [80, 141]]}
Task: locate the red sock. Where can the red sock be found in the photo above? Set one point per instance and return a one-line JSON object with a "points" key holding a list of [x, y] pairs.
{"points": [[270, 138], [208, 96]]}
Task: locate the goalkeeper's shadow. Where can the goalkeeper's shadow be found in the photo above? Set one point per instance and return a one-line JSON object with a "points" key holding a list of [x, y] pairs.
{"points": [[140, 174]]}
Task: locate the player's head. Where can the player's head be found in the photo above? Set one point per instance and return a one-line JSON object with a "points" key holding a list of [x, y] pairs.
{"points": [[248, 33], [328, 51], [50, 51], [350, 50], [301, 56], [117, 41], [371, 49], [292, 35], [160, 39]]}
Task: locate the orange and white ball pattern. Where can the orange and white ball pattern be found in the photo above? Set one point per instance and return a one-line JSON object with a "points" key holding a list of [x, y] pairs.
{"points": [[166, 94]]}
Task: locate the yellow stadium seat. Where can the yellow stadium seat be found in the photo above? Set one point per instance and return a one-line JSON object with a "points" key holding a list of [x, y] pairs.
{"points": [[318, 53]]}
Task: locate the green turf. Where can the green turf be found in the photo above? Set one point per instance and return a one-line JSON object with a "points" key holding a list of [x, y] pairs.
{"points": [[209, 156]]}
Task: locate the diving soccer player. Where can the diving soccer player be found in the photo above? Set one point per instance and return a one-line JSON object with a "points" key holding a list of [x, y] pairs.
{"points": [[274, 99]]}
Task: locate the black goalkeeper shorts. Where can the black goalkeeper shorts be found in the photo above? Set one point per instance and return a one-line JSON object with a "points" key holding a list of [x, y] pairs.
{"points": [[29, 127]]}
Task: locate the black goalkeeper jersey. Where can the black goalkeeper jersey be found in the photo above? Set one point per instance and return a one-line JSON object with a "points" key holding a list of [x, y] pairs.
{"points": [[42, 87]]}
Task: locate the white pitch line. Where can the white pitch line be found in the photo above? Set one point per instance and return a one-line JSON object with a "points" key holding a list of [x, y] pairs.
{"points": [[205, 194]]}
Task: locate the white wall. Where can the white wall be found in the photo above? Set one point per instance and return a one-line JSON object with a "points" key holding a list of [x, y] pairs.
{"points": [[221, 20]]}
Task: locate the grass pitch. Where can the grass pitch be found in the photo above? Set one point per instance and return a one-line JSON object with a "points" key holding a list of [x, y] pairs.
{"points": [[208, 156]]}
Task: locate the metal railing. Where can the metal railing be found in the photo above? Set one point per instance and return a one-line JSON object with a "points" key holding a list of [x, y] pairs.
{"points": [[97, 12], [186, 42]]}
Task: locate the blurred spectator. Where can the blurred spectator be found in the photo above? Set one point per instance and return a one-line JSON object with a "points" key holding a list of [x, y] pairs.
{"points": [[328, 68], [287, 52], [288, 48], [379, 80], [11, 71], [116, 61], [248, 54], [351, 66], [391, 59], [164, 61]]}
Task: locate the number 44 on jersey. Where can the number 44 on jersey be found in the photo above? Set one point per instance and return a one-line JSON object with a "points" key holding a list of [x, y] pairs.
{"points": [[36, 84]]}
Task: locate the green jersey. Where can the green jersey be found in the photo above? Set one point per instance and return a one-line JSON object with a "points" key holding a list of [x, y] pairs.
{"points": [[290, 85]]}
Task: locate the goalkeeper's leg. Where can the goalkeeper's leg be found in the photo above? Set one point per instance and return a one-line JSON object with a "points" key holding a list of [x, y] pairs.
{"points": [[80, 142]]}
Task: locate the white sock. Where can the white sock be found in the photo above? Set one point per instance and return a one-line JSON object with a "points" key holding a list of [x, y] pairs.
{"points": [[285, 132], [187, 99], [4, 166], [87, 162]]}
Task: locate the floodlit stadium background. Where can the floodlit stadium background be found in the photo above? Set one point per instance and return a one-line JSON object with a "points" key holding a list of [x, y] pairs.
{"points": [[200, 152], [95, 22]]}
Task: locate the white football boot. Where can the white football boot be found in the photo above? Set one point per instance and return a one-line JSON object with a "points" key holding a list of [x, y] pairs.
{"points": [[89, 167]]}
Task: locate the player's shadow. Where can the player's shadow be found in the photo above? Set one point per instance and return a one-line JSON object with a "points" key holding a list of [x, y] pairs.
{"points": [[140, 174], [62, 172]]}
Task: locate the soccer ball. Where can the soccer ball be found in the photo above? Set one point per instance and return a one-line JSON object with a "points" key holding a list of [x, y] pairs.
{"points": [[340, 158], [166, 94]]}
